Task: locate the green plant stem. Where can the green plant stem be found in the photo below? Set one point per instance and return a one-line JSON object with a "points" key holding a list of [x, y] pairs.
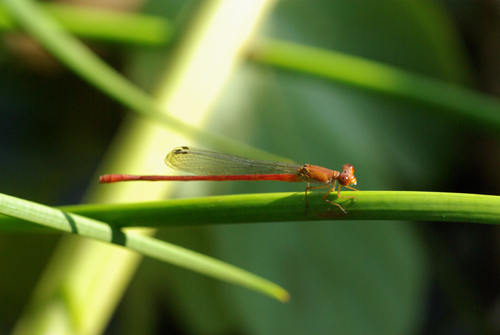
{"points": [[288, 207]]}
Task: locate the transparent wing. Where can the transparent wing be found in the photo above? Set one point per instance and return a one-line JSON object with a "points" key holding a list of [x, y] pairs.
{"points": [[205, 162]]}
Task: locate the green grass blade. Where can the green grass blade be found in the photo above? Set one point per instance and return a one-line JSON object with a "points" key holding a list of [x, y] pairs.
{"points": [[91, 228], [381, 78]]}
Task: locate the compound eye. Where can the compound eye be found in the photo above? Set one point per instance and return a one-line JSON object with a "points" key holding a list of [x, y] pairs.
{"points": [[345, 178], [348, 168]]}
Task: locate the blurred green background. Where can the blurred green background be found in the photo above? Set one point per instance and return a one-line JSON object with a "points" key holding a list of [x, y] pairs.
{"points": [[344, 277]]}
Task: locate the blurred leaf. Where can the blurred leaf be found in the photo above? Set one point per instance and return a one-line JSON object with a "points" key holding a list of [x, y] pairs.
{"points": [[101, 24]]}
